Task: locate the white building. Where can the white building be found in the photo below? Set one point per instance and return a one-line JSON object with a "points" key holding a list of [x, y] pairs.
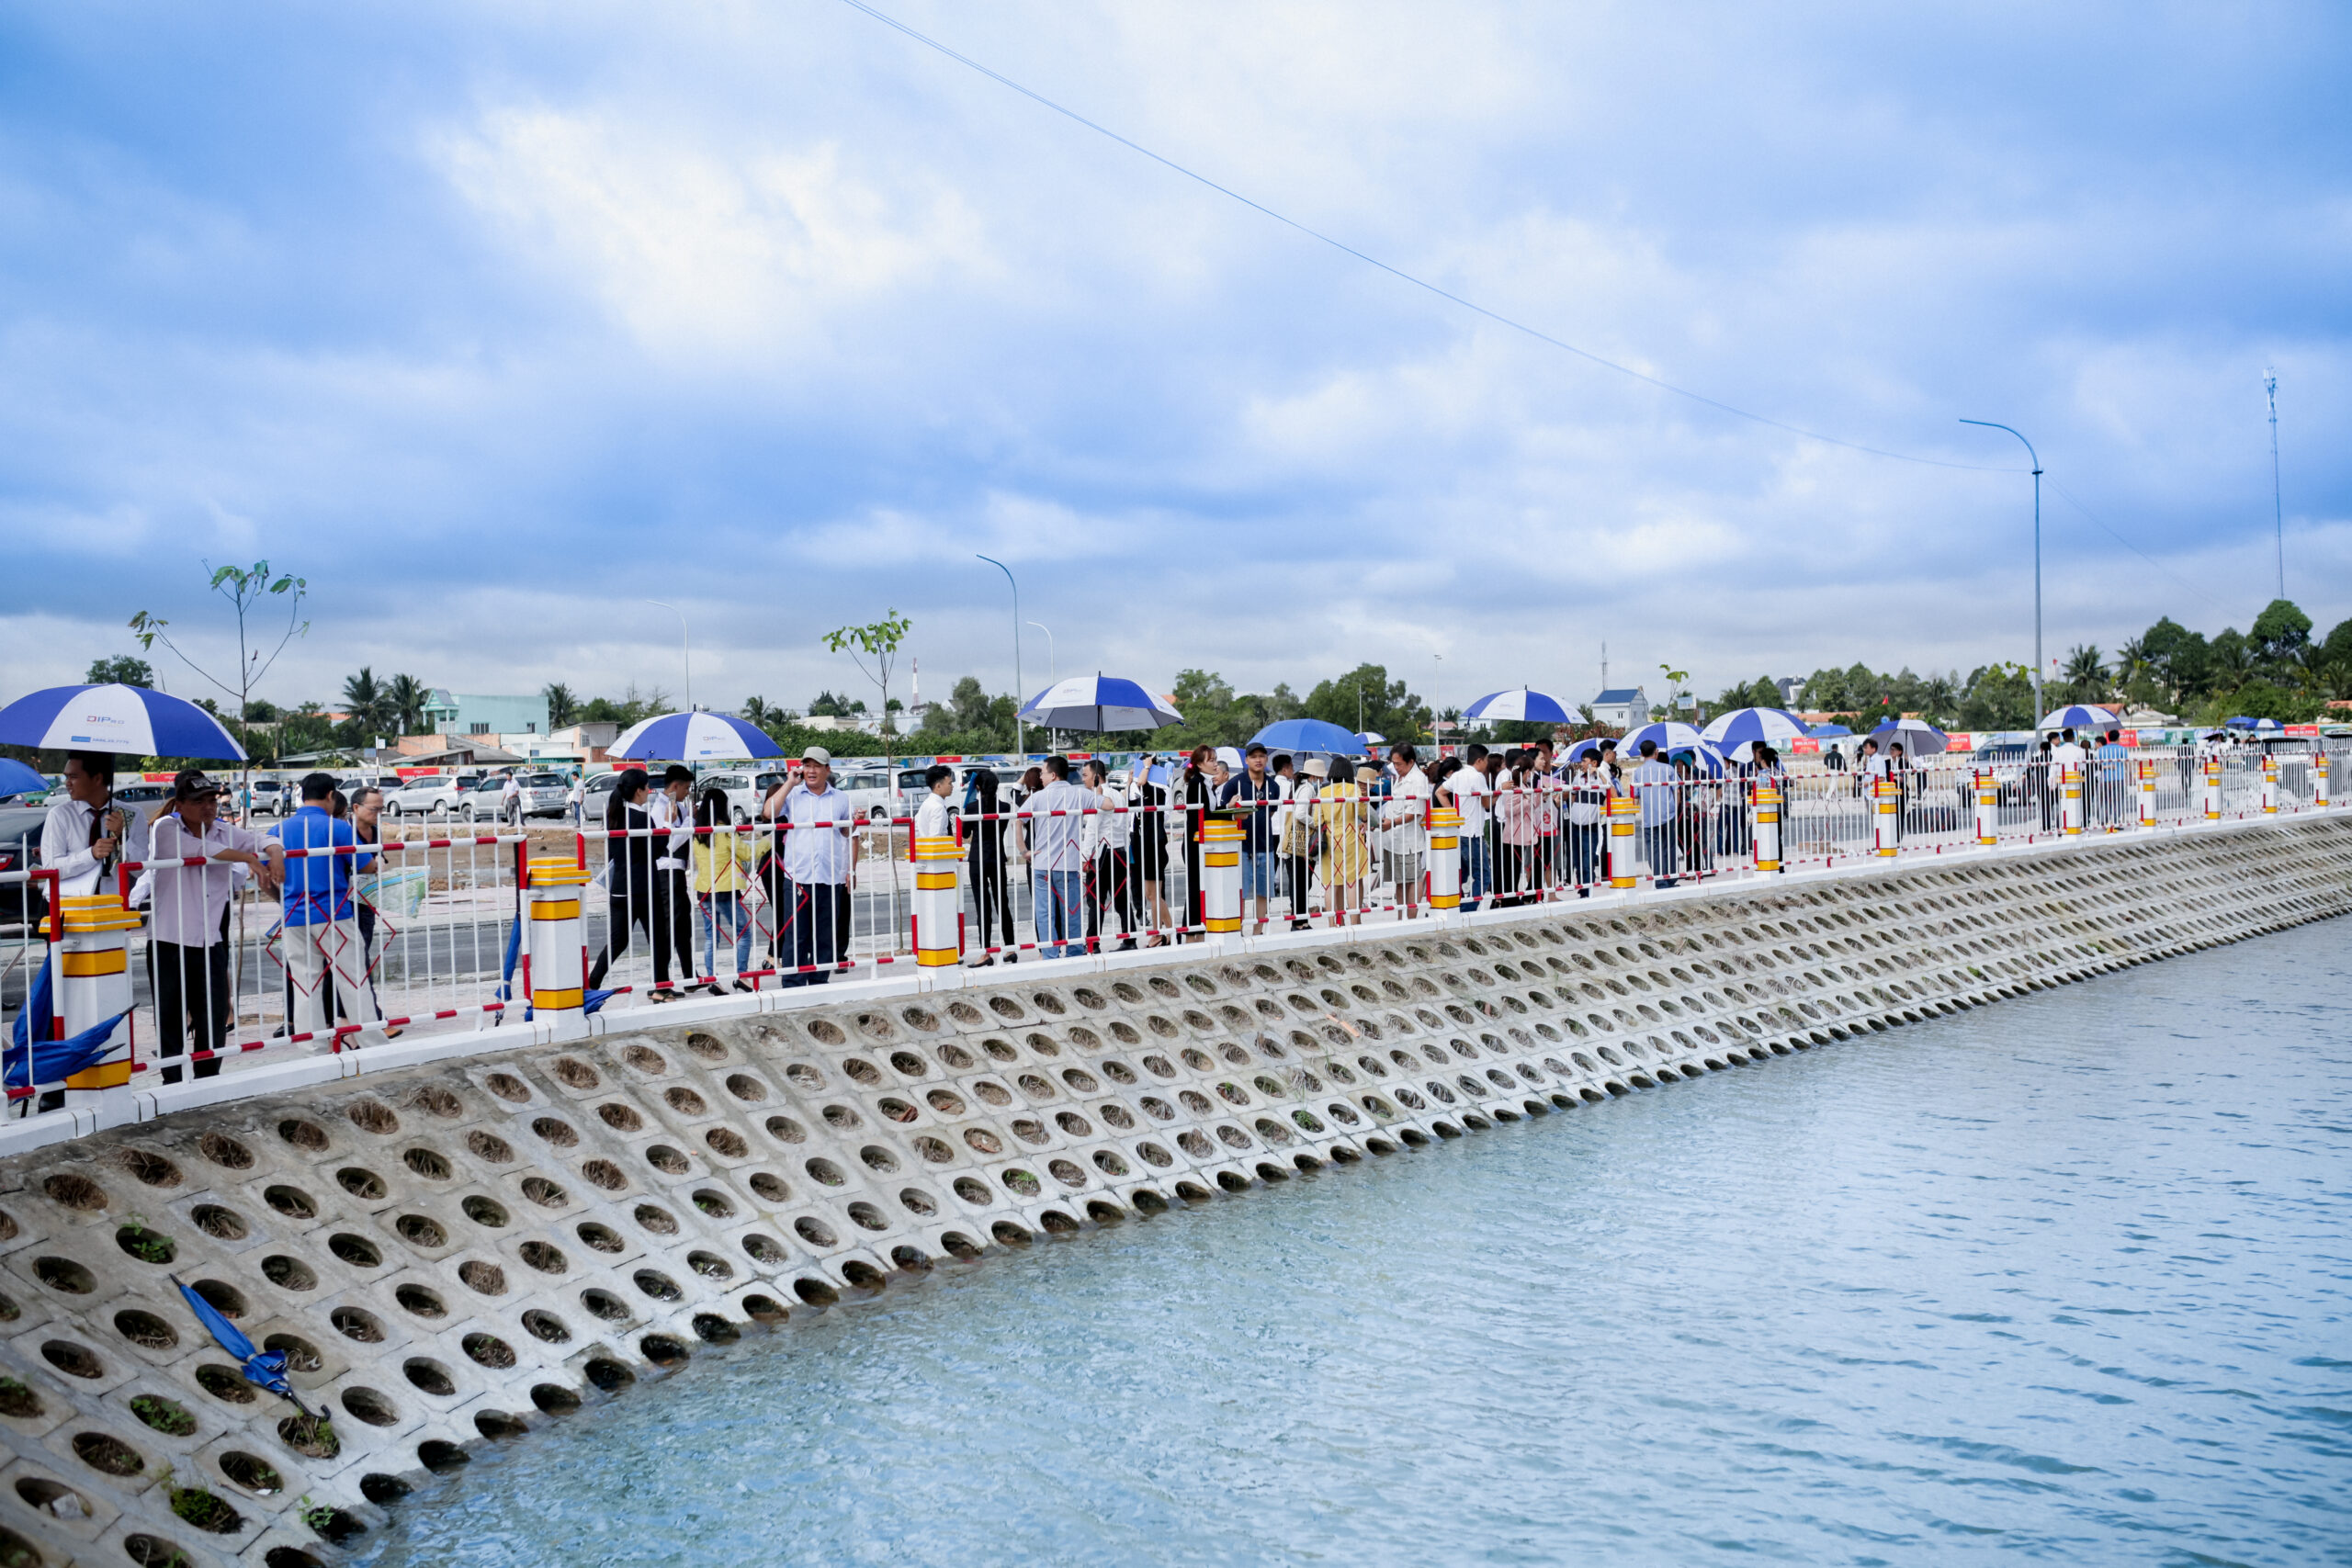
{"points": [[1622, 708]]}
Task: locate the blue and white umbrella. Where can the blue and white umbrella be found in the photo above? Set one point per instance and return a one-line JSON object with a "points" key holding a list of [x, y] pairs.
{"points": [[2258, 726], [693, 738], [1370, 739], [2078, 715], [1737, 732], [1098, 704], [127, 721], [1672, 735], [18, 779], [1306, 735], [1916, 736], [1525, 703]]}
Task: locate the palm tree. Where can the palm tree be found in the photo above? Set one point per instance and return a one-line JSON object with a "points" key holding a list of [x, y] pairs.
{"points": [[1940, 693], [364, 701], [759, 716], [2086, 673], [563, 704], [406, 698]]}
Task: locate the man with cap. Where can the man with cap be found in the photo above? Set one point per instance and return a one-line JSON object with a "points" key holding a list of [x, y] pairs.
{"points": [[188, 935], [819, 856]]}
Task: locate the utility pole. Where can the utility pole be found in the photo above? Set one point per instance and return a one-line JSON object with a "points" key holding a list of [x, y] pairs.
{"points": [[2037, 709], [1020, 742], [2277, 512]]}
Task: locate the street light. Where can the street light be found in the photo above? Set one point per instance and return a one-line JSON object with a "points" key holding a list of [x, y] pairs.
{"points": [[2037, 709], [1050, 676], [684, 653], [1019, 743]]}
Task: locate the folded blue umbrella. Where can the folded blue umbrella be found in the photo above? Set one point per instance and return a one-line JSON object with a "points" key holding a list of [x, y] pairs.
{"points": [[590, 1001], [34, 1058], [263, 1369]]}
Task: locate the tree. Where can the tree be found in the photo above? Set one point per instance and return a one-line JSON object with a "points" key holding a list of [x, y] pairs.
{"points": [[2085, 674], [563, 705], [367, 713], [1939, 697], [123, 670], [1387, 708], [828, 705], [1674, 683], [2229, 662], [405, 700], [2280, 634], [756, 713], [247, 589], [878, 641], [1998, 697]]}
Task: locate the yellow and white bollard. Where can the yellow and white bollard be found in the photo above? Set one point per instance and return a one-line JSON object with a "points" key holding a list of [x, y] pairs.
{"points": [[2212, 789], [1221, 876], [938, 903], [2319, 778], [1886, 800], [2147, 792], [1444, 859], [1623, 810], [559, 955], [1768, 825], [92, 985], [2070, 799], [2269, 784], [1988, 808]]}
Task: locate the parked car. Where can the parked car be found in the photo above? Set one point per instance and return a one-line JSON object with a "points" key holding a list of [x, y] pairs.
{"points": [[597, 800], [545, 795], [269, 798], [21, 826], [429, 795], [746, 792], [868, 788]]}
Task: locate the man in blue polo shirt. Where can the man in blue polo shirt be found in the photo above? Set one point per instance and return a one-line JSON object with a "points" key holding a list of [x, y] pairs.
{"points": [[326, 960], [2113, 761]]}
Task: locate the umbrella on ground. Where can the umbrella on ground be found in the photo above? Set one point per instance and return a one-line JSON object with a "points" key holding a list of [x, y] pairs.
{"points": [[1098, 703], [1525, 703], [1738, 731], [34, 1058], [2079, 715], [18, 779], [1306, 735], [1829, 731], [1916, 736], [693, 738], [263, 1369], [129, 721]]}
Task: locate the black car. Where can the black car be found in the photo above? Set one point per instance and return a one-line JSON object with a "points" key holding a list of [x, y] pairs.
{"points": [[19, 848]]}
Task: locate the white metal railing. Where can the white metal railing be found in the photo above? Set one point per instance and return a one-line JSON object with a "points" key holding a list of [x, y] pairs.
{"points": [[431, 940]]}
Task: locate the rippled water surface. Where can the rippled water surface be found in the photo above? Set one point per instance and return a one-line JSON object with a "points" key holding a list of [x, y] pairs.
{"points": [[2061, 1279]]}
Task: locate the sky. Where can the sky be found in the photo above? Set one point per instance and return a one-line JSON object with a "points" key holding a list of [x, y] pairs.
{"points": [[496, 321]]}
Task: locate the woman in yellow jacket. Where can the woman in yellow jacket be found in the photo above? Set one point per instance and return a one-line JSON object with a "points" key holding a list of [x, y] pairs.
{"points": [[1342, 812], [722, 873]]}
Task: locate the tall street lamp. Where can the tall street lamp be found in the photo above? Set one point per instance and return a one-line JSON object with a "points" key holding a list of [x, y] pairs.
{"points": [[1019, 743], [684, 653], [2037, 709]]}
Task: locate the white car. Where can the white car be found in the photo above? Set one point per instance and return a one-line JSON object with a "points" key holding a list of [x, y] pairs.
{"points": [[430, 794]]}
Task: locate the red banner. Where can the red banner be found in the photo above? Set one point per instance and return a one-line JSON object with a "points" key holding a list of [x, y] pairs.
{"points": [[1804, 746], [2305, 731]]}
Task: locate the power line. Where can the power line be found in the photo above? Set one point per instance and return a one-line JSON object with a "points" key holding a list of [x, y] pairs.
{"points": [[2135, 549], [1399, 272]]}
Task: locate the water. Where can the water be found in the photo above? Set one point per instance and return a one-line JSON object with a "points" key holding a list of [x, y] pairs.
{"points": [[2063, 1279]]}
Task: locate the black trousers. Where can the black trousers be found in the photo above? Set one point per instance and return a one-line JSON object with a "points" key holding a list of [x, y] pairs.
{"points": [[992, 900], [191, 997], [815, 930], [1302, 876], [1109, 888], [673, 939]]}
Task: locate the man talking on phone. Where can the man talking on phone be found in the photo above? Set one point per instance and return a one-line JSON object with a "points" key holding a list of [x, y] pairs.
{"points": [[88, 833]]}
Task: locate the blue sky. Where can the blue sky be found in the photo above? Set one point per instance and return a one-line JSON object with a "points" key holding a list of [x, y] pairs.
{"points": [[496, 320]]}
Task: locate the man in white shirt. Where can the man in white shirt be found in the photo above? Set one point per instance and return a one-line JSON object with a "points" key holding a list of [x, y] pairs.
{"points": [[188, 955], [673, 859], [935, 818], [815, 821], [1406, 813], [1474, 795], [510, 799], [571, 801], [1110, 891], [87, 834], [1054, 824]]}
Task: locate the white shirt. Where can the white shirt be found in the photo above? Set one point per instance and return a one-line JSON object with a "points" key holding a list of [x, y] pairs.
{"points": [[189, 899], [2067, 751], [1058, 843], [815, 848], [1474, 794], [1113, 825], [935, 818], [1406, 811], [672, 816], [65, 844]]}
